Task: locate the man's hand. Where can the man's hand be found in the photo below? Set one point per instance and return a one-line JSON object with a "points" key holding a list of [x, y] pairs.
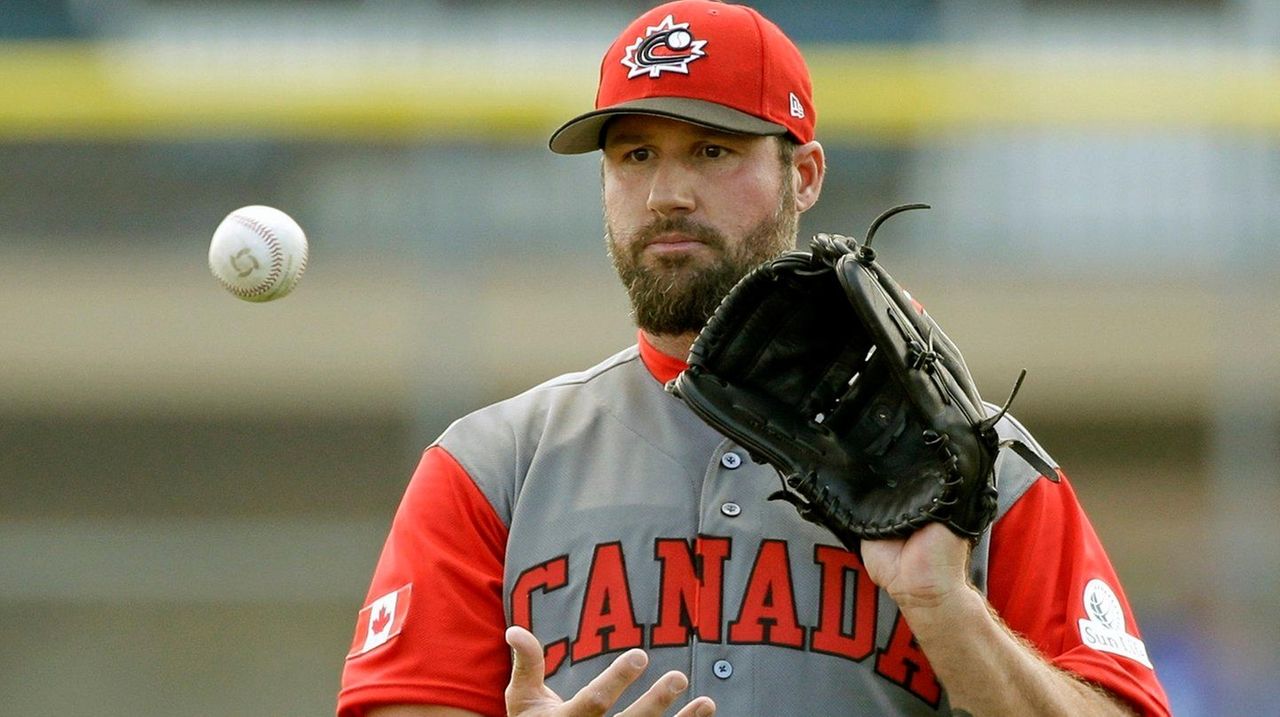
{"points": [[985, 667], [923, 570], [528, 696]]}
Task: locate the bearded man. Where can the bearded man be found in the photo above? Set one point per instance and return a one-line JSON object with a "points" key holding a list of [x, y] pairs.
{"points": [[553, 547]]}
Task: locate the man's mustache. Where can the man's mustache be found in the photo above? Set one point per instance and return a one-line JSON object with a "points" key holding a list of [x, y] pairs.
{"points": [[678, 225]]}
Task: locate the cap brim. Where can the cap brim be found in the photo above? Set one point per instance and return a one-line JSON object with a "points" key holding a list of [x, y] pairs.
{"points": [[584, 132]]}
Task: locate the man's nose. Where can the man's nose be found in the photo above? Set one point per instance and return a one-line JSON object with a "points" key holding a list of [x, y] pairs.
{"points": [[673, 189]]}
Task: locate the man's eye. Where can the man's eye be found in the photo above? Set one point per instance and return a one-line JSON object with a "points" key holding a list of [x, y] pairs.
{"points": [[712, 151], [639, 154]]}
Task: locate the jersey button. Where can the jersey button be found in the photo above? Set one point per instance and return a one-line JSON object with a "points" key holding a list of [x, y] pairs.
{"points": [[732, 510], [722, 669], [731, 460]]}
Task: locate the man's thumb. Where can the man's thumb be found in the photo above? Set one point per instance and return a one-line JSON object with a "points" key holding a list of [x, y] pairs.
{"points": [[527, 663]]}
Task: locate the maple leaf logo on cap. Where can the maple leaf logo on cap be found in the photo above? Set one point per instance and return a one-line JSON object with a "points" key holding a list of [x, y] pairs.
{"points": [[667, 47]]}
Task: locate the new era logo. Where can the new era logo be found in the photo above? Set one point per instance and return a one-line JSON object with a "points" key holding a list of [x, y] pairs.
{"points": [[797, 109]]}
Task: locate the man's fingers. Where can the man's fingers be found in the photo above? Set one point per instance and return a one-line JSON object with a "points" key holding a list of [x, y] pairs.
{"points": [[701, 707], [601, 693], [527, 689], [527, 664], [659, 697]]}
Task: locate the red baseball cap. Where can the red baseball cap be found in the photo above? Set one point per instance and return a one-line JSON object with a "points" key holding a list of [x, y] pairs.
{"points": [[710, 63]]}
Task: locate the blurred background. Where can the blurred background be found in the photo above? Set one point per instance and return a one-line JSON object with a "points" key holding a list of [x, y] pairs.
{"points": [[195, 489]]}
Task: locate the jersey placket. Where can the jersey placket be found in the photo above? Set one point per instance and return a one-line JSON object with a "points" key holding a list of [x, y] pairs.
{"points": [[729, 485]]}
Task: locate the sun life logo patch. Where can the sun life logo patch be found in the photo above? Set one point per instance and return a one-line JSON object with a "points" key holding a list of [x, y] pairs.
{"points": [[667, 47], [1103, 627]]}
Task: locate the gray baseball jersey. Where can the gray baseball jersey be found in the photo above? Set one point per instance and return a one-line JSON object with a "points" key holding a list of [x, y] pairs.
{"points": [[600, 512]]}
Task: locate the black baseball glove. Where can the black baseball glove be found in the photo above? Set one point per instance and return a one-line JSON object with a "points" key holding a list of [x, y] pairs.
{"points": [[819, 364]]}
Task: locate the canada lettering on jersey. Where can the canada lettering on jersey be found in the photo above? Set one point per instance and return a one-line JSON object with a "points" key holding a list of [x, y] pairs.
{"points": [[691, 603]]}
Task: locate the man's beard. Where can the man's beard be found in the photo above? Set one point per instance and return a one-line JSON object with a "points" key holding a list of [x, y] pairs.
{"points": [[675, 295]]}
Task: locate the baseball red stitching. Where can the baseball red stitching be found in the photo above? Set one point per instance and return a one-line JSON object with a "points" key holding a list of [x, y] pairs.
{"points": [[273, 248]]}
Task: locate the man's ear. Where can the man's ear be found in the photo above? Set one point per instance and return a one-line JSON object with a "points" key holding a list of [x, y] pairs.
{"points": [[809, 167]]}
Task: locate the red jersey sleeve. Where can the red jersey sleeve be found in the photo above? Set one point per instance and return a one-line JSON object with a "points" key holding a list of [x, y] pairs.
{"points": [[1051, 582], [432, 628]]}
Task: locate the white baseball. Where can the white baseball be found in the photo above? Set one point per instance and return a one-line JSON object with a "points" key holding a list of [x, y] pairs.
{"points": [[258, 253]]}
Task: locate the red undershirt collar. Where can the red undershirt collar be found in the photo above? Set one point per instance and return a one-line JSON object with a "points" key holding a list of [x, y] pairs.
{"points": [[660, 365]]}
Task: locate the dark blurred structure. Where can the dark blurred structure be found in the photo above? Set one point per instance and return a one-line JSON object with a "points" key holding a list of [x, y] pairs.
{"points": [[36, 19]]}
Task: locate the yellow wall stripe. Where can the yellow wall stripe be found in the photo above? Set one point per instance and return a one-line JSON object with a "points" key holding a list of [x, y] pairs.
{"points": [[54, 90]]}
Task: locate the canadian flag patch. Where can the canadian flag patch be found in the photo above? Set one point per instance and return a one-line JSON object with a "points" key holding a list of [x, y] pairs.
{"points": [[380, 621]]}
